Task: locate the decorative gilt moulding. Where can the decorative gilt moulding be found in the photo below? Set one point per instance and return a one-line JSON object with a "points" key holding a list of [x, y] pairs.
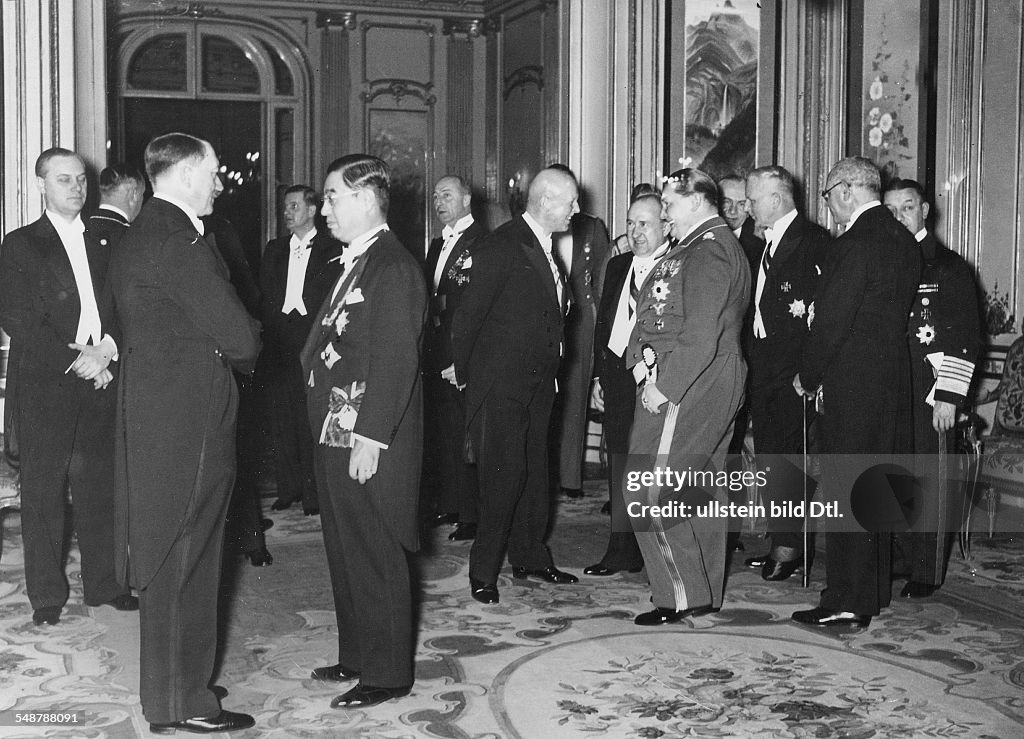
{"points": [[399, 89], [469, 27], [529, 74], [344, 20]]}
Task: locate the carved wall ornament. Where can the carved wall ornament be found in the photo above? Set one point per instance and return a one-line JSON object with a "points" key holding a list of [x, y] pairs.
{"points": [[344, 19], [470, 27], [398, 89], [522, 76]]}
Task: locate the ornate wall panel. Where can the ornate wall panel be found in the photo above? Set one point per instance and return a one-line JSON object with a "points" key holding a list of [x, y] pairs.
{"points": [[399, 86], [810, 94], [525, 89], [980, 156]]}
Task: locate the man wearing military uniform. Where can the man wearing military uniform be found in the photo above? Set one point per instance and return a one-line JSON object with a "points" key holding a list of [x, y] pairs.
{"points": [[685, 348], [784, 278], [121, 190], [581, 253], [944, 336]]}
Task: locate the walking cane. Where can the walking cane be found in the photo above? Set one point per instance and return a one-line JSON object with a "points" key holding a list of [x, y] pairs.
{"points": [[807, 559]]}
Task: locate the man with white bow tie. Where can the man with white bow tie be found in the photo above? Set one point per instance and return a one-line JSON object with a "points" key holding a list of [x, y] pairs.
{"points": [[296, 272], [786, 275], [361, 363], [52, 273], [614, 385], [449, 482]]}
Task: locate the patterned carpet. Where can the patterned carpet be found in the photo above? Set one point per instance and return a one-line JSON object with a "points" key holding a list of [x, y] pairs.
{"points": [[554, 661]]}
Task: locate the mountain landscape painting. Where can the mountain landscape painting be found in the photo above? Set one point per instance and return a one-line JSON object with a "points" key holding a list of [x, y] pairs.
{"points": [[721, 84]]}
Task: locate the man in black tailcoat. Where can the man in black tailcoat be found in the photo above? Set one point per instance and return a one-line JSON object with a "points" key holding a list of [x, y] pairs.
{"points": [[450, 481], [855, 362], [506, 340], [296, 272], [785, 277], [184, 330], [614, 385], [52, 278]]}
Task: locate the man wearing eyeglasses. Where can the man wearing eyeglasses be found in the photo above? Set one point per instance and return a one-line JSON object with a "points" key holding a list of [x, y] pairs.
{"points": [[855, 362]]}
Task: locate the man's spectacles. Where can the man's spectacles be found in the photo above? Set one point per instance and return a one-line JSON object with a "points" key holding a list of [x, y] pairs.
{"points": [[825, 193]]}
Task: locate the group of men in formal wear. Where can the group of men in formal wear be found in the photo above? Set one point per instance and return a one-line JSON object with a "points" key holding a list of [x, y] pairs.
{"points": [[401, 379]]}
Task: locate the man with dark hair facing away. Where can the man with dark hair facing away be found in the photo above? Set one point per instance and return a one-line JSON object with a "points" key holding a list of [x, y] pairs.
{"points": [[184, 331]]}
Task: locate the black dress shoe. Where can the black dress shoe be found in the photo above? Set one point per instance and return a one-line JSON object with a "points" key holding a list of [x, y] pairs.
{"points": [[599, 570], [364, 696], [280, 505], [124, 602], [572, 492], [223, 721], [774, 571], [266, 523], [260, 557], [46, 615], [660, 616], [445, 519], [756, 563], [483, 592], [827, 617], [463, 532], [334, 673], [917, 590], [312, 511], [548, 574]]}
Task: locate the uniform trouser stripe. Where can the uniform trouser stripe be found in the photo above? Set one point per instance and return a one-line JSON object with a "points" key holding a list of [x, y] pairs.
{"points": [[942, 512], [653, 492]]}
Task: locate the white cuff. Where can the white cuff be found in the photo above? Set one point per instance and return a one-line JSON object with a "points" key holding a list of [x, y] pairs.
{"points": [[370, 442]]}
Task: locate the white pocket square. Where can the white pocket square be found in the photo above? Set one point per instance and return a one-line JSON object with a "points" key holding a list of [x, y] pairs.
{"points": [[468, 263], [356, 296]]}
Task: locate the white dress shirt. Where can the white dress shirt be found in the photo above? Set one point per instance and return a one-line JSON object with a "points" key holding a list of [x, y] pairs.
{"points": [[355, 249], [298, 262], [772, 237], [545, 243], [71, 233], [625, 311], [451, 235], [857, 213]]}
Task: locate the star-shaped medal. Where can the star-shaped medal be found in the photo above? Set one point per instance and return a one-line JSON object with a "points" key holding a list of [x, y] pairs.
{"points": [[797, 309]]}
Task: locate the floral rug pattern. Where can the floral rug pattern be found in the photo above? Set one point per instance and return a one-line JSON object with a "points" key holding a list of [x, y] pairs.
{"points": [[552, 661]]}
